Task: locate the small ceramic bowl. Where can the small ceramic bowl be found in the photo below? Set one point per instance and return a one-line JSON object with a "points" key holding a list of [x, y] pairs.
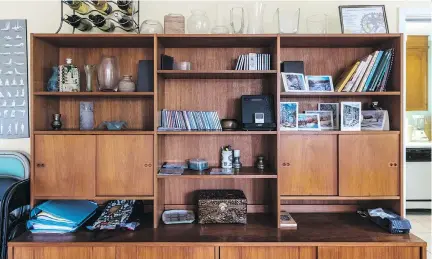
{"points": [[229, 124], [114, 125]]}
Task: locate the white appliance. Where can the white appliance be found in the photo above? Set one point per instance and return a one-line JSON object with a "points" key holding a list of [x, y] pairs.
{"points": [[418, 178]]}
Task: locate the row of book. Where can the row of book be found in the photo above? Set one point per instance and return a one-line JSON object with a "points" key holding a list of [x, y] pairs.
{"points": [[189, 120], [253, 61], [369, 74]]}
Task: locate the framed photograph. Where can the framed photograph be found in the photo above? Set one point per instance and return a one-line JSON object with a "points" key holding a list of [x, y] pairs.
{"points": [[351, 116], [334, 108], [326, 119], [319, 83], [366, 19], [294, 82], [375, 120], [289, 113], [309, 121]]}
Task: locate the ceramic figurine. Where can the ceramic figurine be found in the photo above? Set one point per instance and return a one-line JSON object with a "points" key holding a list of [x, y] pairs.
{"points": [[53, 82]]}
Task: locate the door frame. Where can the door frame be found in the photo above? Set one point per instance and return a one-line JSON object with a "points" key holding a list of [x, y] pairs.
{"points": [[412, 14]]}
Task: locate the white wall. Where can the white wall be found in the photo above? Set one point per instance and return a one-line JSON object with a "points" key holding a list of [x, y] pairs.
{"points": [[44, 17]]}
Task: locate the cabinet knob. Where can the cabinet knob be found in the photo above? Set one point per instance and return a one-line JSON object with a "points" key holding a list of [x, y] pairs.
{"points": [[40, 165], [288, 164], [283, 164]]}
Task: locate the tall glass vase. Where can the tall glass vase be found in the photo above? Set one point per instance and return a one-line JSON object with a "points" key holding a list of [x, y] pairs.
{"points": [[89, 70], [237, 20], [108, 74], [255, 18]]}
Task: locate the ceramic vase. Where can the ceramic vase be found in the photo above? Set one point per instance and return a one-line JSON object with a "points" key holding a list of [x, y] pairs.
{"points": [[86, 116], [108, 74], [126, 84], [56, 124]]}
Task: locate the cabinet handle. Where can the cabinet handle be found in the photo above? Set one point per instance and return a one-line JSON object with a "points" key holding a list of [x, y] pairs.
{"points": [[390, 164], [40, 165], [288, 164], [284, 164]]}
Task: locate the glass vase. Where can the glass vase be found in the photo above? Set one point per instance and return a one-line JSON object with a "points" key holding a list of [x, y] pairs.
{"points": [[255, 18], [108, 74], [286, 20], [317, 24], [89, 70], [151, 27], [198, 22], [237, 20], [86, 116]]}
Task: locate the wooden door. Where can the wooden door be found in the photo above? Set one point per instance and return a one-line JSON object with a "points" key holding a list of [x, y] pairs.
{"points": [[308, 165], [124, 165], [417, 73], [64, 166], [256, 252], [364, 252], [369, 165], [165, 252]]}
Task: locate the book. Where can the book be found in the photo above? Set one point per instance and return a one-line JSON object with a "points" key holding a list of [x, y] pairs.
{"points": [[171, 171], [359, 79], [348, 87], [287, 221], [346, 75], [379, 71], [374, 67], [252, 61], [363, 82], [387, 72]]}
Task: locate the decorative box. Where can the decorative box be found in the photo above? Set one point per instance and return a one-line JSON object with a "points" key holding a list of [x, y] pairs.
{"points": [[198, 164], [222, 206]]}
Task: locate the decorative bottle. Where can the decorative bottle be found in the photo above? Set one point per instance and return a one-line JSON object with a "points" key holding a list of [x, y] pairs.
{"points": [[56, 124], [125, 6], [102, 6], [69, 77], [78, 6], [124, 20], [78, 22], [100, 22], [236, 163]]}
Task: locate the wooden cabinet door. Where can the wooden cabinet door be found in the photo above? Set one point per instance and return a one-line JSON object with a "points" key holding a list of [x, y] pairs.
{"points": [[63, 253], [364, 252], [124, 165], [308, 165], [369, 165], [417, 73], [64, 166], [165, 252], [256, 252]]}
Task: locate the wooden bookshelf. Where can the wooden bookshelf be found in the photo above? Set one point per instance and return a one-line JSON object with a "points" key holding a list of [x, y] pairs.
{"points": [[95, 94], [339, 94]]}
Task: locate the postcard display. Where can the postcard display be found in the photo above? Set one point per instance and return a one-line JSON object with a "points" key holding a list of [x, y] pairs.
{"points": [[14, 120]]}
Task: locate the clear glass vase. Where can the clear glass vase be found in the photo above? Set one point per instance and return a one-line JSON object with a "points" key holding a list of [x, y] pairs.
{"points": [[286, 20], [108, 74], [317, 24], [237, 20], [151, 27], [198, 22], [255, 18]]}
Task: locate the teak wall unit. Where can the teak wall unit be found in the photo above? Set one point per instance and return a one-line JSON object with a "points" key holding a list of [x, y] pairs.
{"points": [[307, 172]]}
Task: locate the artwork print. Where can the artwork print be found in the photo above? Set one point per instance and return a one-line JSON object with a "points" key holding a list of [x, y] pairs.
{"points": [[289, 113], [294, 82], [320, 83], [310, 121], [363, 19], [334, 108], [14, 117], [326, 119], [351, 116], [375, 120]]}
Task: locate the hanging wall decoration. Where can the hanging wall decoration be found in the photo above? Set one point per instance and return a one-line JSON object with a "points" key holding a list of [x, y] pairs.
{"points": [[14, 120]]}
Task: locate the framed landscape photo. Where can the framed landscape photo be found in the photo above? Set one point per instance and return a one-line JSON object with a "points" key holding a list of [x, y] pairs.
{"points": [[326, 119], [319, 83], [334, 108], [309, 121], [294, 82], [375, 120], [289, 113], [351, 116], [363, 19]]}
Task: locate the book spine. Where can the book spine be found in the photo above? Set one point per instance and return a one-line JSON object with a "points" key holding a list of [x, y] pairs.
{"points": [[387, 75], [363, 82], [186, 119], [344, 79], [358, 83], [379, 71], [375, 65], [351, 82]]}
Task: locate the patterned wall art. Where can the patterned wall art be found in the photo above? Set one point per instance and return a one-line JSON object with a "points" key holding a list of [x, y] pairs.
{"points": [[14, 102]]}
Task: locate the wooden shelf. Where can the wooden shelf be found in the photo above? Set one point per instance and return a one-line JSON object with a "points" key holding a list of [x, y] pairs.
{"points": [[217, 132], [335, 40], [216, 74], [335, 132], [96, 94], [336, 198], [93, 132], [338, 94], [245, 173], [143, 198], [67, 40], [217, 40]]}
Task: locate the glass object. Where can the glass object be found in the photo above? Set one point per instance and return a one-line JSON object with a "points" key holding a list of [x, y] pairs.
{"points": [[108, 74], [126, 84], [56, 124], [236, 163], [124, 21], [237, 20], [78, 6], [78, 23], [255, 18], [53, 82], [287, 20], [374, 106], [151, 27], [126, 6], [100, 22], [102, 6], [220, 29], [174, 23], [317, 23], [198, 22], [86, 116], [89, 70], [260, 163], [69, 77]]}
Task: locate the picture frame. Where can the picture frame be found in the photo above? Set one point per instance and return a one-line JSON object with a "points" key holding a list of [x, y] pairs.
{"points": [[309, 121], [351, 116], [320, 83], [334, 108], [326, 119], [375, 120], [363, 19], [294, 82], [288, 116]]}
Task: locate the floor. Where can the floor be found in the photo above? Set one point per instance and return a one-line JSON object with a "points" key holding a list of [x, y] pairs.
{"points": [[421, 223]]}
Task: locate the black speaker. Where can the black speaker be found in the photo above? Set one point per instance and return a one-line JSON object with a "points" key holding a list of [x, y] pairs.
{"points": [[258, 112], [145, 76]]}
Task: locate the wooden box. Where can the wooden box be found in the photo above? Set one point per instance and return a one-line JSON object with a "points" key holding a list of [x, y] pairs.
{"points": [[222, 206]]}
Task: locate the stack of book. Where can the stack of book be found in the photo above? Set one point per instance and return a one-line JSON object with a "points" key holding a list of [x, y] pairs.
{"points": [[189, 120], [369, 74], [253, 61]]}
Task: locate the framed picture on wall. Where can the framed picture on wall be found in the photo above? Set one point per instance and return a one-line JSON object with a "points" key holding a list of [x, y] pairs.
{"points": [[366, 19]]}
